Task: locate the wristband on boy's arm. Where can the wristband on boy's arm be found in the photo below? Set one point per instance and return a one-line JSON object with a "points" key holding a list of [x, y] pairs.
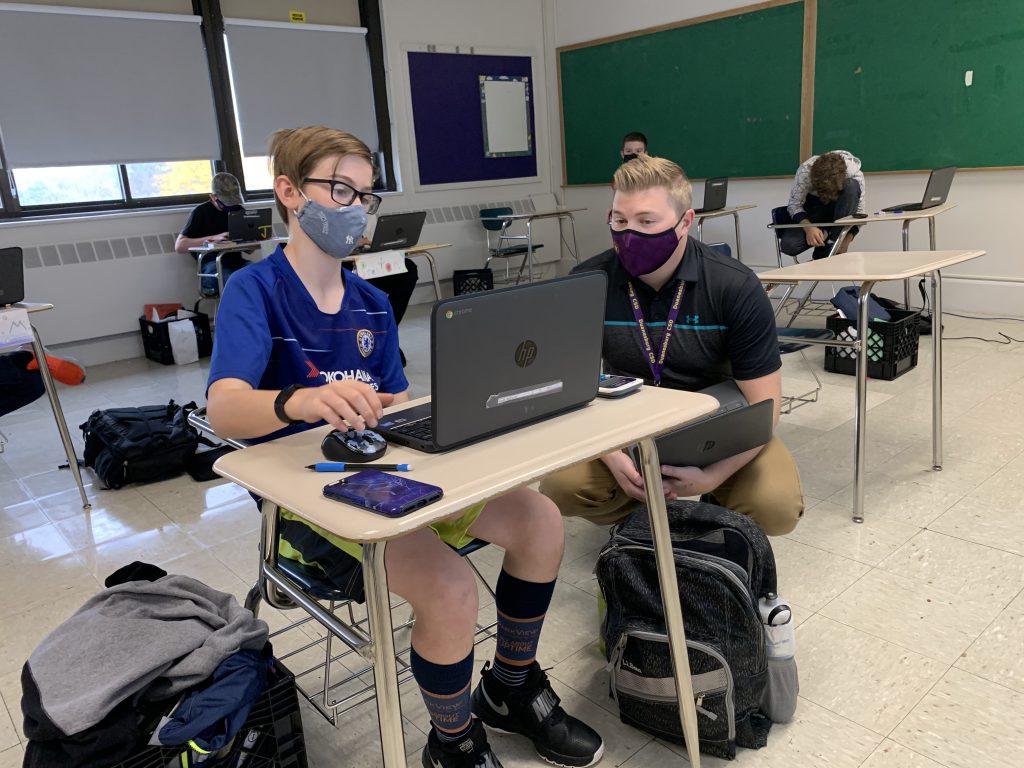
{"points": [[280, 401]]}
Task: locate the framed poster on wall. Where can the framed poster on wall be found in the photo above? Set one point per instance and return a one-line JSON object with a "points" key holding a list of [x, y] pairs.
{"points": [[505, 105]]}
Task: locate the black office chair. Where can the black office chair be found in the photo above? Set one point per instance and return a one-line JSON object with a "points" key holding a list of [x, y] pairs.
{"points": [[819, 307], [502, 251]]}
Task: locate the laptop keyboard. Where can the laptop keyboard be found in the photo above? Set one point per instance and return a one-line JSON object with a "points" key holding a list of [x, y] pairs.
{"points": [[421, 429]]}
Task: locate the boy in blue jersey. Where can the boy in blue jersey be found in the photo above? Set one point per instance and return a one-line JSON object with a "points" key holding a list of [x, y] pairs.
{"points": [[300, 342]]}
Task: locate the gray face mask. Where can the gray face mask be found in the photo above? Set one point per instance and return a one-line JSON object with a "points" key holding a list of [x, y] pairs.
{"points": [[336, 231]]}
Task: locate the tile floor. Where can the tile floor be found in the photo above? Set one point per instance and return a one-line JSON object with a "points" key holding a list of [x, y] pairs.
{"points": [[911, 626]]}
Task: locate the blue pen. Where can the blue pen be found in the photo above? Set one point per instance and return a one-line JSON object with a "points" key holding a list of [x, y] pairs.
{"points": [[339, 466]]}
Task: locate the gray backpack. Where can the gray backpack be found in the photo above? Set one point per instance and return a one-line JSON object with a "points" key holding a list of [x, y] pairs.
{"points": [[724, 565]]}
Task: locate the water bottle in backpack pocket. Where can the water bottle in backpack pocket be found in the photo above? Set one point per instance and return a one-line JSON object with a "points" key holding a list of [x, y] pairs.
{"points": [[780, 694]]}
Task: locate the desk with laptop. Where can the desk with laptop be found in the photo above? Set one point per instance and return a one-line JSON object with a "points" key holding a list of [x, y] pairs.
{"points": [[715, 195], [395, 238], [248, 229], [936, 191], [12, 302], [525, 401], [933, 202]]}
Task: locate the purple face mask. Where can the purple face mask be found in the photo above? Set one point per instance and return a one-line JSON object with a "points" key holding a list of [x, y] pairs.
{"points": [[641, 253]]}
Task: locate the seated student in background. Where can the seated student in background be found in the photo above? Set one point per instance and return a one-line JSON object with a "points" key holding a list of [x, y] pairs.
{"points": [[826, 187], [399, 288], [634, 143], [208, 223], [724, 328], [298, 311]]}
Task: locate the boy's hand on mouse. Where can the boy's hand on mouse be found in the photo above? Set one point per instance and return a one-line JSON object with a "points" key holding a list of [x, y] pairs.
{"points": [[342, 404]]}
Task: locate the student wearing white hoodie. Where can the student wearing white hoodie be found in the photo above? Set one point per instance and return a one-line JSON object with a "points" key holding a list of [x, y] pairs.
{"points": [[826, 187]]}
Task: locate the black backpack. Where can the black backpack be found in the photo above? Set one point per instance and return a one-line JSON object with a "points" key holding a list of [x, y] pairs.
{"points": [[724, 564], [139, 445]]}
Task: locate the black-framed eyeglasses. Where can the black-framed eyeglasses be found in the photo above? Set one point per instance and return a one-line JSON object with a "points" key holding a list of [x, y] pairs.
{"points": [[345, 194]]}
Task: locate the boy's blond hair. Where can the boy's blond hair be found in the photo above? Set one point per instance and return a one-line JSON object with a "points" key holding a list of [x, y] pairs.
{"points": [[294, 152], [645, 172]]}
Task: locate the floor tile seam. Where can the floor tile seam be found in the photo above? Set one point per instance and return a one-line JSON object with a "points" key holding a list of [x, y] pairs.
{"points": [[960, 537], [896, 643], [980, 679]]}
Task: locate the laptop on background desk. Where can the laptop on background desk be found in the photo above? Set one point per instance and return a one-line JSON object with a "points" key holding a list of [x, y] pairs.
{"points": [[503, 359], [715, 191], [935, 193], [396, 231], [12, 276], [250, 226]]}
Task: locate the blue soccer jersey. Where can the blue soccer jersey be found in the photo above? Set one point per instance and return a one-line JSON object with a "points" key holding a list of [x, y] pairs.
{"points": [[271, 334]]}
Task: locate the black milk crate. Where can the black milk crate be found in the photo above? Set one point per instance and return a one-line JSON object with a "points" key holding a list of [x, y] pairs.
{"points": [[156, 339], [472, 281], [275, 717], [892, 345]]}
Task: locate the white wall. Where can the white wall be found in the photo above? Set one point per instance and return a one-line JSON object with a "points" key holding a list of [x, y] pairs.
{"points": [[98, 302], [988, 201]]}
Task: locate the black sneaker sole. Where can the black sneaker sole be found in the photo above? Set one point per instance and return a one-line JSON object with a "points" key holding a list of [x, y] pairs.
{"points": [[553, 758]]}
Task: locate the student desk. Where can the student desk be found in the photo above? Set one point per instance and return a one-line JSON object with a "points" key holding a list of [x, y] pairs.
{"points": [[51, 393], [425, 250], [529, 218], [868, 269], [729, 210], [199, 251], [906, 217], [482, 471]]}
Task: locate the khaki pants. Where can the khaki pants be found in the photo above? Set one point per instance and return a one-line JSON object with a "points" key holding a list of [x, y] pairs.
{"points": [[767, 490]]}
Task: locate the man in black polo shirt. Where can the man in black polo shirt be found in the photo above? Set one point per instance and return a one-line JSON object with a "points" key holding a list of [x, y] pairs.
{"points": [[723, 328], [208, 223]]}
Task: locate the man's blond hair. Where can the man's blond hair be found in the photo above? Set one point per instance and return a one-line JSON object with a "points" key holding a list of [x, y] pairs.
{"points": [[294, 152], [646, 172]]}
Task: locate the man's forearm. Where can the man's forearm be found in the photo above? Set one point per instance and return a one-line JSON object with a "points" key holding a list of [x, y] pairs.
{"points": [[722, 470]]}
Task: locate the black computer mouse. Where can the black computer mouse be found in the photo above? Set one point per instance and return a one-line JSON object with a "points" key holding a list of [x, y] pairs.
{"points": [[353, 446]]}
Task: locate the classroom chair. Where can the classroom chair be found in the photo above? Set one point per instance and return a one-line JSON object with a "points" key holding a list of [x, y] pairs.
{"points": [[788, 344], [821, 308], [501, 250], [330, 683]]}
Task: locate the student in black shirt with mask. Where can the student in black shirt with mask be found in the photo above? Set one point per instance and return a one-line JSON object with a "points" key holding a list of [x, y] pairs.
{"points": [[208, 223], [633, 143]]}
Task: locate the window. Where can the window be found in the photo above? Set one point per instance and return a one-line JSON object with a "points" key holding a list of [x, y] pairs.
{"points": [[141, 150], [179, 179], [257, 174], [68, 185]]}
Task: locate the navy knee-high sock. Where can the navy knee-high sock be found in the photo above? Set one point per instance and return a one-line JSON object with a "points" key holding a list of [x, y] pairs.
{"points": [[521, 606], [446, 692]]}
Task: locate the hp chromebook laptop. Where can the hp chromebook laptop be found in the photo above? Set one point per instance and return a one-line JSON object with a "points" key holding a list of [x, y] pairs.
{"points": [[503, 359], [734, 428]]}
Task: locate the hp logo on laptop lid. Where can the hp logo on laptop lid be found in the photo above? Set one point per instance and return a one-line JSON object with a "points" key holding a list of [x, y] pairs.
{"points": [[526, 353]]}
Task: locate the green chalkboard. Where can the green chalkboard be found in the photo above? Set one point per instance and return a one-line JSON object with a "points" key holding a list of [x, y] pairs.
{"points": [[890, 86], [721, 97]]}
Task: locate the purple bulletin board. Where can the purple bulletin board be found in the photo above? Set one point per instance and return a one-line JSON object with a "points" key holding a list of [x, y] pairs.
{"points": [[447, 119]]}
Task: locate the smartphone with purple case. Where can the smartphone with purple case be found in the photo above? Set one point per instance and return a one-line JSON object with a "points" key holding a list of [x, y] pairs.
{"points": [[383, 493]]}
